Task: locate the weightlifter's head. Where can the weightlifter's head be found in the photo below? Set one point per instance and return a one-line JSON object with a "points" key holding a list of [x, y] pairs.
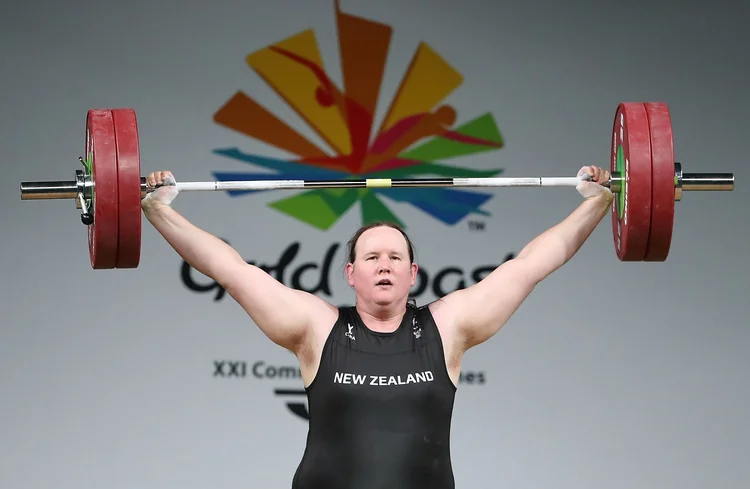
{"points": [[380, 264]]}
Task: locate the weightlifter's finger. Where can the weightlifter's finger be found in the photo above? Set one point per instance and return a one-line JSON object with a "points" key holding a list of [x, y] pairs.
{"points": [[596, 173], [601, 175], [586, 170]]}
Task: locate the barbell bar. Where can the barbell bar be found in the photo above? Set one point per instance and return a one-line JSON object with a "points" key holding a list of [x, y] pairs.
{"points": [[70, 190], [644, 177]]}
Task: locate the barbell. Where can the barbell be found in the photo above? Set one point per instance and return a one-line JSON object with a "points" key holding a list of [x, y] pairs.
{"points": [[644, 177]]}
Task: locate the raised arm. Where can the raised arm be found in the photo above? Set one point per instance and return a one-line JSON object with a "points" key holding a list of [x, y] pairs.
{"points": [[282, 313], [473, 315]]}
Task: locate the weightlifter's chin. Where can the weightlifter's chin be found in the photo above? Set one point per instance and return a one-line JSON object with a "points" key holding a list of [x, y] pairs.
{"points": [[385, 296]]}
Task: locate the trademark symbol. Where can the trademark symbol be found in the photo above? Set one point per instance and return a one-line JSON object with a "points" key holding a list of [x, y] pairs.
{"points": [[476, 225]]}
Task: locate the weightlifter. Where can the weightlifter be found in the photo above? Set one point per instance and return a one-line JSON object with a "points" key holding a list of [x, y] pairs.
{"points": [[380, 376]]}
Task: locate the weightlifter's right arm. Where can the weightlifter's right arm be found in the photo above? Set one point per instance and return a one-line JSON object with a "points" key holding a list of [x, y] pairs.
{"points": [[282, 313]]}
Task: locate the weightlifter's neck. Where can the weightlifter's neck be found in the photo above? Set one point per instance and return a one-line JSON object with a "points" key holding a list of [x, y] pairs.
{"points": [[382, 319]]}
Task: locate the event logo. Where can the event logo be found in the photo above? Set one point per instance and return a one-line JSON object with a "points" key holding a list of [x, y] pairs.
{"points": [[416, 135]]}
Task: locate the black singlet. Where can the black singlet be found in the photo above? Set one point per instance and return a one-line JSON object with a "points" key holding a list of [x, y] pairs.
{"points": [[380, 408]]}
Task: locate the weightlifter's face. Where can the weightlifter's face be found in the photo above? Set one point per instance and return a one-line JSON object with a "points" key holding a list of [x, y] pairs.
{"points": [[381, 272]]}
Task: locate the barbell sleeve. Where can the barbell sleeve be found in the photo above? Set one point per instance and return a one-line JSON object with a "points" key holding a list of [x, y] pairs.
{"points": [[49, 190], [707, 181]]}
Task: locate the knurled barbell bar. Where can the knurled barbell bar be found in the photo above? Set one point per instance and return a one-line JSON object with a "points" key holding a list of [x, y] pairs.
{"points": [[645, 179]]}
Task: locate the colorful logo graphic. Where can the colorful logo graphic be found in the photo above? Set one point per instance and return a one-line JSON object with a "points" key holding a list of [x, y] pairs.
{"points": [[416, 135]]}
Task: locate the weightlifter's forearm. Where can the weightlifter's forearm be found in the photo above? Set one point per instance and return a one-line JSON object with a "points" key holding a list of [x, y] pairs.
{"points": [[203, 251], [559, 243]]}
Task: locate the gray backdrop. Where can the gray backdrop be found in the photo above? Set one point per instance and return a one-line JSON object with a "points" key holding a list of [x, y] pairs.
{"points": [[611, 375]]}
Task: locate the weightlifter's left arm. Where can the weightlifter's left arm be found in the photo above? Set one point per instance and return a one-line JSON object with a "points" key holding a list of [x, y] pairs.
{"points": [[474, 314], [557, 245]]}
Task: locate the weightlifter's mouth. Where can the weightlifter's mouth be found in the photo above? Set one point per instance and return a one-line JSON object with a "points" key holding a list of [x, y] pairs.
{"points": [[384, 283]]}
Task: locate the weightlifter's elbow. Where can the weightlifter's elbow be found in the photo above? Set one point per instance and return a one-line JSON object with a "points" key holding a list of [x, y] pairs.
{"points": [[536, 269], [540, 261], [231, 272]]}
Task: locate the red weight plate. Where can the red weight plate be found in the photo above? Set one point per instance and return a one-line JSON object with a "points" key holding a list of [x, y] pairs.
{"points": [[128, 187], [100, 152], [631, 156], [662, 172]]}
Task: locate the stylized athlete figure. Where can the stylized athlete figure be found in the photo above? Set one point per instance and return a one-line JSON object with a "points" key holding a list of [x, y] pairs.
{"points": [[390, 143]]}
